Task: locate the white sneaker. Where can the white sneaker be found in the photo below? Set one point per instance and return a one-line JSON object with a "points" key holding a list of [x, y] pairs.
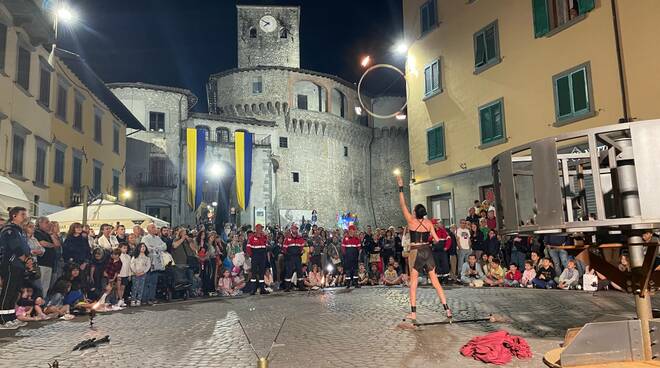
{"points": [[121, 303], [133, 304], [138, 303], [68, 317], [12, 325]]}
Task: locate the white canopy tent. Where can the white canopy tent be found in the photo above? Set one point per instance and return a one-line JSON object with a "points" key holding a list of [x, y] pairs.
{"points": [[105, 212], [11, 195]]}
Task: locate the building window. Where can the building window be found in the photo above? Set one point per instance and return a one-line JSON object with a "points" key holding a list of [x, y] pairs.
{"points": [[76, 171], [97, 177], [572, 90], [435, 143], [338, 103], [257, 85], [115, 183], [23, 68], [486, 47], [284, 142], [432, 79], [115, 138], [98, 128], [3, 45], [78, 113], [491, 122], [44, 85], [156, 121], [60, 110], [222, 135], [557, 14], [296, 177], [345, 151], [428, 16], [58, 175], [17, 155], [207, 131], [302, 102], [40, 164], [284, 33], [253, 32]]}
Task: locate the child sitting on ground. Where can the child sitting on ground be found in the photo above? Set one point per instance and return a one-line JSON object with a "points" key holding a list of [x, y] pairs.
{"points": [[495, 275], [29, 309], [226, 285], [545, 278], [528, 275], [374, 275], [570, 277], [390, 277], [513, 276], [363, 275]]}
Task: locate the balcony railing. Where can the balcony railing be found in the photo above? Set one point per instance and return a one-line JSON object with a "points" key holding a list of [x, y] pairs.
{"points": [[154, 179], [260, 140]]}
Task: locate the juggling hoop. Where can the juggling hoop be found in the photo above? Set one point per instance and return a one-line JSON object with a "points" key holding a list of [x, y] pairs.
{"points": [[377, 66]]}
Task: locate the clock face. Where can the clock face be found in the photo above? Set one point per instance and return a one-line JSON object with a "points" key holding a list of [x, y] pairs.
{"points": [[268, 23]]}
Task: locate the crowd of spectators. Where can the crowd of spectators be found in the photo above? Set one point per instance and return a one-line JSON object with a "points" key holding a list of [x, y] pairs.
{"points": [[66, 273]]}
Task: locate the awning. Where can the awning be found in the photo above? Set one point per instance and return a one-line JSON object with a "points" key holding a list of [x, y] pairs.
{"points": [[11, 195], [104, 212]]}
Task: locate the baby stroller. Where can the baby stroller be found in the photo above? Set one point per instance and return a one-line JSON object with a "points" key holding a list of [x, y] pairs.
{"points": [[174, 283]]}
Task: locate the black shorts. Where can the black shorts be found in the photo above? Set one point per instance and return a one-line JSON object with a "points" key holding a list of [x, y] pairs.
{"points": [[424, 259]]}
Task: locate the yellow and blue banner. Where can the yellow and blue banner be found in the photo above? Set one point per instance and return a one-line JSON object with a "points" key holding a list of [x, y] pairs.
{"points": [[243, 149], [196, 152]]}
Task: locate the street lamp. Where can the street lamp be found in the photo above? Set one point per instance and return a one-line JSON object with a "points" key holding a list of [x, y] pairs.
{"points": [[401, 47], [216, 170], [127, 194], [65, 14]]}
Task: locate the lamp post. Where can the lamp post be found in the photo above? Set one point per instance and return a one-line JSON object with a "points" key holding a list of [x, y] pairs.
{"points": [[62, 13]]}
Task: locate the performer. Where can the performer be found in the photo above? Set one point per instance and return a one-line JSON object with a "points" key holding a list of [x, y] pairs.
{"points": [[293, 249], [256, 249], [350, 247], [420, 229]]}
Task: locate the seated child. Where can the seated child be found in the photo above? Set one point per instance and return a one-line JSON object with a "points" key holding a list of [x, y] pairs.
{"points": [[227, 285], [570, 277], [545, 278], [340, 276], [495, 275], [528, 275], [513, 276], [390, 276], [471, 272], [28, 308], [363, 275], [374, 275], [314, 278]]}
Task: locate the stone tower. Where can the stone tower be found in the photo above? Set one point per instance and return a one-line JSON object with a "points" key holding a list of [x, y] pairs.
{"points": [[268, 36]]}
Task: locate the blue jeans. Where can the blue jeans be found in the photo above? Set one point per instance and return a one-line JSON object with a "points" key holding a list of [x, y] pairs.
{"points": [[559, 258], [138, 287], [518, 258], [150, 286], [462, 255], [544, 284]]}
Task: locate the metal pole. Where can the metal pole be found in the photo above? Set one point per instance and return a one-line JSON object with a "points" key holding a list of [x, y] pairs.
{"points": [[642, 303], [85, 199]]}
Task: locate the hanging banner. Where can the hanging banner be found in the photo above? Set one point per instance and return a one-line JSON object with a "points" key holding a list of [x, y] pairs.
{"points": [[243, 150], [195, 153]]}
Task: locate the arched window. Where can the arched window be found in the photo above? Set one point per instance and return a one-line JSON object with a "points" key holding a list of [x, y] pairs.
{"points": [[207, 131], [310, 96], [284, 33], [253, 32], [338, 103], [222, 135]]}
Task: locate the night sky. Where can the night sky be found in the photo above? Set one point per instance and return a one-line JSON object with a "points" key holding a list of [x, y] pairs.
{"points": [[181, 42]]}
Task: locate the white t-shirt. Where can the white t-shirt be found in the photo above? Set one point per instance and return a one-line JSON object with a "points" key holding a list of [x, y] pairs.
{"points": [[463, 238], [108, 243]]}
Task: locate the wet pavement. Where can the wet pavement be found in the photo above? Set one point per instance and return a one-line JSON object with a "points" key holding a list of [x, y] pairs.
{"points": [[331, 328]]}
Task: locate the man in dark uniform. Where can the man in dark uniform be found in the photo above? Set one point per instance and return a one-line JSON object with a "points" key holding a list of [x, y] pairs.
{"points": [[256, 249], [350, 247], [293, 249], [14, 251]]}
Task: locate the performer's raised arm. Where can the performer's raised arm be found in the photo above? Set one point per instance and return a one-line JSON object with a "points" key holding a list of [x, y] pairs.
{"points": [[402, 200]]}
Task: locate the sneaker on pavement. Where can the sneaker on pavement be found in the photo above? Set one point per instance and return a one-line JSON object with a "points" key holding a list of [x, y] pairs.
{"points": [[12, 325], [68, 317], [138, 303], [133, 304], [121, 303]]}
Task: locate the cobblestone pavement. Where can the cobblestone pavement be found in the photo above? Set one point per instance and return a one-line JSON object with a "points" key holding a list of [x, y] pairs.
{"points": [[332, 328]]}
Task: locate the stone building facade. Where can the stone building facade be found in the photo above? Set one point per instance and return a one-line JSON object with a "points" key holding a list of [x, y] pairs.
{"points": [[315, 149]]}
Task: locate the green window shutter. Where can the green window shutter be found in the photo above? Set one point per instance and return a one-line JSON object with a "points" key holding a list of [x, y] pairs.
{"points": [[579, 89], [498, 126], [427, 80], [563, 90], [436, 143], [440, 141], [432, 13], [491, 50], [541, 19], [486, 125], [479, 50], [435, 72], [585, 6], [431, 144]]}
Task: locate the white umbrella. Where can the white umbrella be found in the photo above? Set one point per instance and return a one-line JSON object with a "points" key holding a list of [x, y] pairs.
{"points": [[11, 195], [105, 212]]}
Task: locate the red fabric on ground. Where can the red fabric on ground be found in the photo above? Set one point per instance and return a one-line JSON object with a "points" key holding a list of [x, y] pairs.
{"points": [[497, 348]]}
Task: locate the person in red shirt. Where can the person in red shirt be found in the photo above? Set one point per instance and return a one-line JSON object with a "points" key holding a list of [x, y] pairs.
{"points": [[513, 276], [350, 247], [439, 249], [256, 249], [293, 249], [112, 270]]}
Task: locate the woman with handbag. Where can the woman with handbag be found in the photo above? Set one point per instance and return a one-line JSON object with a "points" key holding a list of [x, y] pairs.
{"points": [[420, 231]]}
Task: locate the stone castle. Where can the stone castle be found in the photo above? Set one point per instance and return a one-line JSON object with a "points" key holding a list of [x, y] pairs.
{"points": [[315, 149]]}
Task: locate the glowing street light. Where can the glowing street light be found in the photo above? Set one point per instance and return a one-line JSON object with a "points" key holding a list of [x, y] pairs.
{"points": [[397, 172], [127, 194], [214, 204], [366, 61], [216, 170], [401, 48], [66, 15]]}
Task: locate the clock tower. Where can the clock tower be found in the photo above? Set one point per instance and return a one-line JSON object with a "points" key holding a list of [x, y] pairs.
{"points": [[268, 36]]}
